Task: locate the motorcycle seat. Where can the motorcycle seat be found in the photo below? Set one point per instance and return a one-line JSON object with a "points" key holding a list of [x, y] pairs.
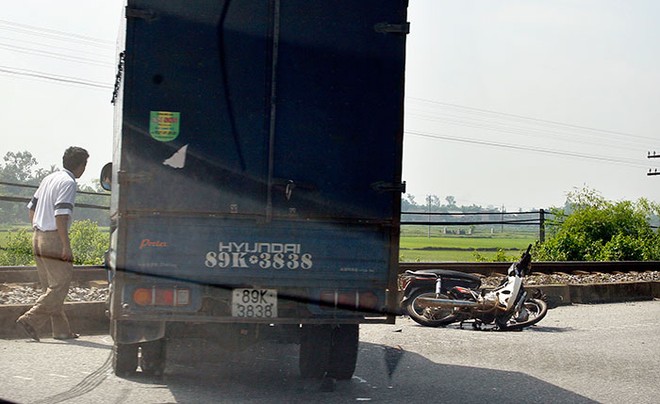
{"points": [[444, 273], [421, 274]]}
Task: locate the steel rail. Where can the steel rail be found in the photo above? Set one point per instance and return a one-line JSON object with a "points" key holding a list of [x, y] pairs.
{"points": [[28, 274], [88, 273], [542, 267]]}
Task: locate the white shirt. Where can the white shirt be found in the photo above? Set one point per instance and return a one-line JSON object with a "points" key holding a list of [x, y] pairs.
{"points": [[54, 197]]}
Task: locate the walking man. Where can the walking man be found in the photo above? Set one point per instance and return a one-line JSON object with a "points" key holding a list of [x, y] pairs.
{"points": [[50, 211]]}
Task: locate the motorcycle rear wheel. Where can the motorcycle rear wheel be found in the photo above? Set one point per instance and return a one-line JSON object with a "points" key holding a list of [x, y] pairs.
{"points": [[426, 316], [536, 311]]}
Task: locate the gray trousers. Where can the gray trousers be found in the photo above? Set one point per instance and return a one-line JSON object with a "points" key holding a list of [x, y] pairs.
{"points": [[55, 278]]}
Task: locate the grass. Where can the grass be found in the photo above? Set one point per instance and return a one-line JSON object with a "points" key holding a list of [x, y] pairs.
{"points": [[416, 246], [440, 256], [462, 248], [4, 232], [469, 243]]}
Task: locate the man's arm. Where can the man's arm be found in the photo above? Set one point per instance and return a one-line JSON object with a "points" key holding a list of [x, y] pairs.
{"points": [[31, 215], [62, 222]]}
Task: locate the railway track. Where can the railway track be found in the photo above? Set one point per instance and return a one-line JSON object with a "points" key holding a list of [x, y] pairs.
{"points": [[540, 268], [98, 273], [562, 282]]}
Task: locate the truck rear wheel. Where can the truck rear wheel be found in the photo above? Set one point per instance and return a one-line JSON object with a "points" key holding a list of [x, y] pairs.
{"points": [[152, 358], [124, 359], [328, 350], [343, 355], [315, 341]]}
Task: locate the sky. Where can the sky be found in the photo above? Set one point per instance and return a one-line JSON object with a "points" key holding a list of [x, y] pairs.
{"points": [[508, 103]]}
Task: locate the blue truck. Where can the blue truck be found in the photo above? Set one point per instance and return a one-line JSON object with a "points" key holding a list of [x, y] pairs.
{"points": [[256, 176]]}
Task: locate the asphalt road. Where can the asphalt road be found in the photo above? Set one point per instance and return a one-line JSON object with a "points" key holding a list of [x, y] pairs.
{"points": [[586, 353]]}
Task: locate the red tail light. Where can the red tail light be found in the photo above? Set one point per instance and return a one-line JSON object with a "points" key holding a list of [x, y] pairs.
{"points": [[162, 296], [349, 300], [328, 299], [368, 301]]}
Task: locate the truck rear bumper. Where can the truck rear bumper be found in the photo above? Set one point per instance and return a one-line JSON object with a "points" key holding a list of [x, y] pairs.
{"points": [[200, 319]]}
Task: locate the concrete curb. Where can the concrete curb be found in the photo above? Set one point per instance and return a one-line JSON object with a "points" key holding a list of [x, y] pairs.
{"points": [[84, 317], [559, 295], [89, 318]]}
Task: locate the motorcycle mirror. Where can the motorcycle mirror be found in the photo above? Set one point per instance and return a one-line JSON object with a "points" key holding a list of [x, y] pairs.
{"points": [[106, 177]]}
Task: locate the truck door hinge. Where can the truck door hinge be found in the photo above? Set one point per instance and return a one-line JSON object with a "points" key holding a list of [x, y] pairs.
{"points": [[118, 76], [383, 186], [147, 15], [387, 28]]}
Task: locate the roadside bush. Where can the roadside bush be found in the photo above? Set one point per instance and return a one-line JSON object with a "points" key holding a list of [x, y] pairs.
{"points": [[17, 250], [593, 229], [500, 256], [88, 243]]}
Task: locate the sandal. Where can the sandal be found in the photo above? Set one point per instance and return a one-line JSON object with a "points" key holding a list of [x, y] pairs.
{"points": [[29, 330], [73, 335]]}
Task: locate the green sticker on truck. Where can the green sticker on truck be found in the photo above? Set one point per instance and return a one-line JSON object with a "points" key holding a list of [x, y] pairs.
{"points": [[164, 125]]}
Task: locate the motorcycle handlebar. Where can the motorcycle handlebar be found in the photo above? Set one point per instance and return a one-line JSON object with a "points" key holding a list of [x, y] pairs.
{"points": [[526, 259]]}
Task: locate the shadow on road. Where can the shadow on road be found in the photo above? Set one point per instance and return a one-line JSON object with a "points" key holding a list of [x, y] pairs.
{"points": [[551, 330], [78, 342], [200, 372]]}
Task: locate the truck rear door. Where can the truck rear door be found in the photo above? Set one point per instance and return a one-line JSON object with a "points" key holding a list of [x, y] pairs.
{"points": [[260, 142]]}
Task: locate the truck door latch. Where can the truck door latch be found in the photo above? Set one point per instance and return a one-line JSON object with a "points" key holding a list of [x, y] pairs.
{"points": [[288, 185], [288, 191], [382, 186], [387, 28]]}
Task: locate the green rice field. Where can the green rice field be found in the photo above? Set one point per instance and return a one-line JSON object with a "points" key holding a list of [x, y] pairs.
{"points": [[462, 248], [439, 248]]}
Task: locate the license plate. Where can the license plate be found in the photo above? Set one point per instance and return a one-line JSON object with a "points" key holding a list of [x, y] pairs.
{"points": [[254, 303]]}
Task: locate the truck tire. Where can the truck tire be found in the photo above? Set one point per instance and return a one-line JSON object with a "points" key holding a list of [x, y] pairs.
{"points": [[153, 358], [344, 351], [315, 344], [124, 359], [328, 350]]}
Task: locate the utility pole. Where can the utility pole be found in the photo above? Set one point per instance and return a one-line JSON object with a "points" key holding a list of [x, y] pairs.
{"points": [[428, 199], [502, 224], [653, 156], [542, 226]]}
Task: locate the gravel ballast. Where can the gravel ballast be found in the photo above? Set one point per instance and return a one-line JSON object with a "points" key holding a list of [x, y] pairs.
{"points": [[28, 293]]}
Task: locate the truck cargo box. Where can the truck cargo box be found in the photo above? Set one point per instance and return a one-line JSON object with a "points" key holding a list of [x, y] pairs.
{"points": [[258, 147]]}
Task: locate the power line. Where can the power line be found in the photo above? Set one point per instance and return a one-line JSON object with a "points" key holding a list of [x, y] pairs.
{"points": [[53, 77], [530, 119], [524, 148], [52, 46], [54, 55], [54, 34], [50, 53], [513, 124], [527, 131]]}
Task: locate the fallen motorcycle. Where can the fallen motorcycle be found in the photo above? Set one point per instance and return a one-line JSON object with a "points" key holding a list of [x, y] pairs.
{"points": [[433, 283], [507, 307]]}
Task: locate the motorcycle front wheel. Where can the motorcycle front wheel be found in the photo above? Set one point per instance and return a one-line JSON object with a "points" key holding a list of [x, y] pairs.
{"points": [[532, 311], [428, 316]]}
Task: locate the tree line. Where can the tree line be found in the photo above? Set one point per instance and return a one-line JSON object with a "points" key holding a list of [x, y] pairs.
{"points": [[587, 228], [433, 204]]}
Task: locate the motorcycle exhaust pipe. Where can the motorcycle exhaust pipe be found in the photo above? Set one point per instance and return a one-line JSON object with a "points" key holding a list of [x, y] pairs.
{"points": [[449, 303]]}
